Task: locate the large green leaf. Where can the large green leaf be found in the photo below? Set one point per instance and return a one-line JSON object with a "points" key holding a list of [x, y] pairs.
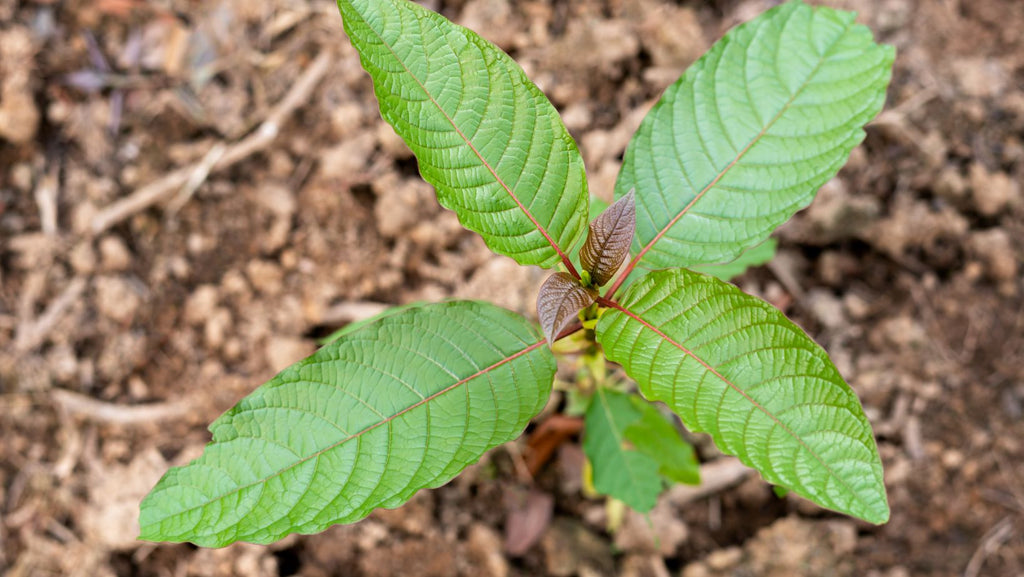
{"points": [[733, 366], [485, 136], [747, 136], [365, 422], [634, 451]]}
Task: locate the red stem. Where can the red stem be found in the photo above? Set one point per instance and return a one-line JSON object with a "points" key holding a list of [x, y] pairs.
{"points": [[633, 262], [567, 262], [622, 277]]}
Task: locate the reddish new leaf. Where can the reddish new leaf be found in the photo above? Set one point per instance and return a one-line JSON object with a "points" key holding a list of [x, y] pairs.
{"points": [[609, 239], [560, 300]]}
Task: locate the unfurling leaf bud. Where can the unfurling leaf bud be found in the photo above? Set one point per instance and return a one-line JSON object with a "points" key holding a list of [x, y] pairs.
{"points": [[608, 240], [560, 301]]}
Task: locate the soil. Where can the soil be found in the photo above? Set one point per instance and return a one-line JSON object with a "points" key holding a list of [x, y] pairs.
{"points": [[117, 347]]}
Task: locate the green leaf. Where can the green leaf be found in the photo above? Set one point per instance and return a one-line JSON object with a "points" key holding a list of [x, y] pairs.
{"points": [[597, 206], [484, 135], [634, 451], [655, 437], [754, 256], [365, 422], [619, 471], [750, 132], [733, 366]]}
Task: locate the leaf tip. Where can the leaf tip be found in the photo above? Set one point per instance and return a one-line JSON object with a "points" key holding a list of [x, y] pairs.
{"points": [[878, 512], [873, 502]]}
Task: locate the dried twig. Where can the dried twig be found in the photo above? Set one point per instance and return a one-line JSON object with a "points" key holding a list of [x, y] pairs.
{"points": [[46, 198], [32, 333], [255, 142], [71, 449], [715, 477], [783, 266], [548, 437], [197, 178], [990, 543], [351, 312], [76, 404]]}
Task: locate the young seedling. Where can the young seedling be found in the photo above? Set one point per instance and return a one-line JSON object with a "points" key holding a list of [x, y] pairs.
{"points": [[406, 401]]}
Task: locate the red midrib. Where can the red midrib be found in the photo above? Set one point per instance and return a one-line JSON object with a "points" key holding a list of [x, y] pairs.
{"points": [[385, 421], [633, 262], [565, 259]]}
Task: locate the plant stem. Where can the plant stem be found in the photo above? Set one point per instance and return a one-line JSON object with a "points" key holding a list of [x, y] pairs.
{"points": [[621, 279]]}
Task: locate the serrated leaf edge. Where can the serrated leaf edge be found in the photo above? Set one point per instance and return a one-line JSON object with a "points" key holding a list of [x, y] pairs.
{"points": [[615, 305], [643, 251], [501, 182], [355, 435]]}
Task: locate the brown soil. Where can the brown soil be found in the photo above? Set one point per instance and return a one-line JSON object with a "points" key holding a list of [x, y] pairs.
{"points": [[907, 268]]}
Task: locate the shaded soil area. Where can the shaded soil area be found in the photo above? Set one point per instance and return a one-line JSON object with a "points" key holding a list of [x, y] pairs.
{"points": [[126, 328]]}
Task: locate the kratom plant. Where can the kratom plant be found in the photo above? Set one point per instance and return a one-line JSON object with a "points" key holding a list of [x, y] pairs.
{"points": [[407, 400]]}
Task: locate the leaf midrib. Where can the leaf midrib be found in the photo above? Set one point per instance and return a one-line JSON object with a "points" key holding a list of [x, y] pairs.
{"points": [[540, 228], [358, 434], [646, 324], [686, 209]]}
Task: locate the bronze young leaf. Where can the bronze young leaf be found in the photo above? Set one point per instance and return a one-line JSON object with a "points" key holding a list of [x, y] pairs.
{"points": [[560, 300], [609, 239]]}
